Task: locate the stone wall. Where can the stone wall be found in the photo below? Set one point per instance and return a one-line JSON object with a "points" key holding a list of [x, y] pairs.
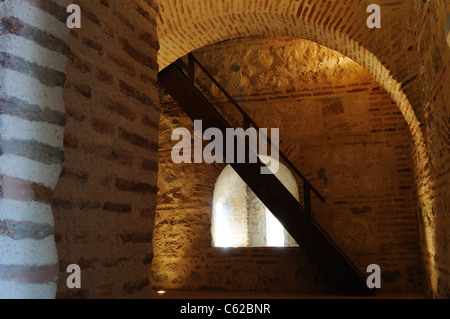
{"points": [[408, 56], [340, 128], [105, 199], [184, 257], [110, 99], [434, 189]]}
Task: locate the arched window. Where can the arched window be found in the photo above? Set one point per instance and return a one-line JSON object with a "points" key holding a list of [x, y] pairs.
{"points": [[240, 219]]}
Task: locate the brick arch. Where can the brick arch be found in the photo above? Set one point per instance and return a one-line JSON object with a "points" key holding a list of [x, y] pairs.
{"points": [[184, 26]]}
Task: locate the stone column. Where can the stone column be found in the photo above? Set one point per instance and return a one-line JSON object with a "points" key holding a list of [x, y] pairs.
{"points": [[33, 57]]}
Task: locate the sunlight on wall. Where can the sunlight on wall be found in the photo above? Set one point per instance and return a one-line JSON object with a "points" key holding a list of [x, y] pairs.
{"points": [[223, 233], [274, 231]]}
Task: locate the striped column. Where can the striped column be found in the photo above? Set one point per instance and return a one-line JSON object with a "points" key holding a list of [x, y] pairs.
{"points": [[33, 57]]}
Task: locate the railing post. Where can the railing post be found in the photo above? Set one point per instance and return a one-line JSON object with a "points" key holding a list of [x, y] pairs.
{"points": [[307, 198], [191, 69]]}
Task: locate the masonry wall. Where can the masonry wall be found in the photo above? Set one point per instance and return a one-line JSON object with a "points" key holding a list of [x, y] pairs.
{"points": [[184, 257], [340, 128], [434, 189], [109, 97], [105, 199]]}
